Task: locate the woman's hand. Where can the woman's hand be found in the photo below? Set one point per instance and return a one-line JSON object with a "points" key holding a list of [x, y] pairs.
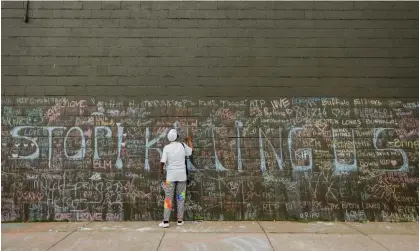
{"points": [[161, 169], [188, 141]]}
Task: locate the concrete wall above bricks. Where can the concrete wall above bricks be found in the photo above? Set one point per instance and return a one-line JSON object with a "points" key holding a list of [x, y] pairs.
{"points": [[348, 43]]}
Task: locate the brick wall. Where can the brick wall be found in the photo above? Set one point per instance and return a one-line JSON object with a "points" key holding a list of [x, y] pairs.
{"points": [[291, 106]]}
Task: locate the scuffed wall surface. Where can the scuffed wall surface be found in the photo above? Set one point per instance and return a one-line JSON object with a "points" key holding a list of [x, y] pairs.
{"points": [[298, 110]]}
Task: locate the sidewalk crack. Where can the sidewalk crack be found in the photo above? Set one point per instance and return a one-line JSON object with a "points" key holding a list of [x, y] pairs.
{"points": [[161, 240], [65, 237], [369, 237], [270, 243]]}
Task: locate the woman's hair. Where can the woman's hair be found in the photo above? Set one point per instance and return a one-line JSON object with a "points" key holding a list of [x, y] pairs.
{"points": [[172, 135]]}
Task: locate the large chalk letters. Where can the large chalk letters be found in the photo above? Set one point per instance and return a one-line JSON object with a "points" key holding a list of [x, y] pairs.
{"points": [[342, 166], [279, 159], [15, 133], [148, 147], [81, 153], [302, 153], [296, 154], [107, 135], [405, 165]]}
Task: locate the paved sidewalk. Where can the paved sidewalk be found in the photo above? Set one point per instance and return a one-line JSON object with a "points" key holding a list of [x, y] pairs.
{"points": [[242, 236]]}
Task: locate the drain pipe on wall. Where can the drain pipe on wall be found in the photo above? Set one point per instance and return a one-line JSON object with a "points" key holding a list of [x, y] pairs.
{"points": [[25, 18]]}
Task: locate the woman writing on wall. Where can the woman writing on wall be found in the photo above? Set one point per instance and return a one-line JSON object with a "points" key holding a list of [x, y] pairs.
{"points": [[173, 158]]}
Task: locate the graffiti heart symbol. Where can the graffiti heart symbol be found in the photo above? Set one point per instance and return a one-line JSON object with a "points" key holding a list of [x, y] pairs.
{"points": [[336, 112], [393, 162]]}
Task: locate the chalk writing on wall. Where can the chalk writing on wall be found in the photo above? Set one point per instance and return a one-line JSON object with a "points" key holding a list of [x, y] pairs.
{"points": [[286, 158]]}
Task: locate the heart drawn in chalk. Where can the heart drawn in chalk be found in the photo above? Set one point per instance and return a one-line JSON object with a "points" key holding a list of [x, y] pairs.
{"points": [[336, 112], [393, 162]]}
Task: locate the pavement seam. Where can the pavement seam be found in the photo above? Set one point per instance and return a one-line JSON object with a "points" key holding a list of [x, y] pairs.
{"points": [[369, 237], [161, 240], [72, 232], [260, 225]]}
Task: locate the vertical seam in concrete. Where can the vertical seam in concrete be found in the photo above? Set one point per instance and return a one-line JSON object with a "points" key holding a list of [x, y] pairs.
{"points": [[369, 237], [161, 240], [72, 232], [270, 243]]}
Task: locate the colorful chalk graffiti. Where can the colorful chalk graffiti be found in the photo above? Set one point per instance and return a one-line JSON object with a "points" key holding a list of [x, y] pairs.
{"points": [[303, 158]]}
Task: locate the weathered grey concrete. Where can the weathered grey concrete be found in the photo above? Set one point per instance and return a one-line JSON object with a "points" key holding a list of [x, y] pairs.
{"points": [[390, 228], [219, 227], [110, 241], [323, 242], [42, 227], [148, 226], [215, 241], [397, 242], [195, 227], [30, 240], [243, 236], [312, 227]]}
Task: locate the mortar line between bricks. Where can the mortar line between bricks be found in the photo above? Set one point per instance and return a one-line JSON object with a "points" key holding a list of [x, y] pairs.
{"points": [[270, 243], [65, 237], [369, 237], [161, 240]]}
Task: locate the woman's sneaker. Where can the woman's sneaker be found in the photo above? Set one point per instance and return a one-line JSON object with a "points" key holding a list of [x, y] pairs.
{"points": [[180, 223], [163, 225]]}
